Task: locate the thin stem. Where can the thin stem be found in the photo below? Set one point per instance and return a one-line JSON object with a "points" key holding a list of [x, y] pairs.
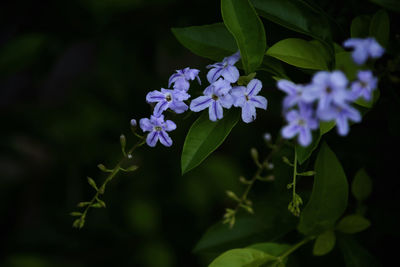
{"points": [[294, 248], [294, 173], [114, 172]]}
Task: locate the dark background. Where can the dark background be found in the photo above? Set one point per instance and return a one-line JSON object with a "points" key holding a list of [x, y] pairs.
{"points": [[73, 74]]}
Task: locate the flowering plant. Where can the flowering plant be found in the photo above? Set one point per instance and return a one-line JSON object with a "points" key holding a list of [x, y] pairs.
{"points": [[341, 87]]}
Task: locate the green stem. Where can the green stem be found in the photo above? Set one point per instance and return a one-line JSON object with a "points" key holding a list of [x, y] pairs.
{"points": [[294, 248], [114, 172], [294, 174]]}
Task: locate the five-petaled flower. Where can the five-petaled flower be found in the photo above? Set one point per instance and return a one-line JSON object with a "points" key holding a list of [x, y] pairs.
{"points": [[248, 100], [294, 93], [181, 78], [226, 69], [341, 113], [364, 48], [167, 98], [364, 86], [158, 129], [215, 97], [301, 122]]}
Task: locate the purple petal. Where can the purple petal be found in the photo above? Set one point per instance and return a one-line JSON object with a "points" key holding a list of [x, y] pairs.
{"points": [[338, 79], [161, 107], [178, 106], [221, 87], [292, 115], [164, 138], [287, 87], [231, 60], [155, 96], [259, 102], [173, 78], [352, 42], [360, 55], [374, 48], [226, 101], [305, 136], [230, 73], [169, 125], [290, 131], [181, 84], [152, 138], [145, 125], [215, 111], [200, 103], [342, 125], [327, 114], [214, 74], [254, 87], [248, 113]]}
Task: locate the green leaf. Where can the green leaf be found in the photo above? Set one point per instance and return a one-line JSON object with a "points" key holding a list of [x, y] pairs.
{"points": [[354, 254], [298, 16], [270, 248], [326, 126], [329, 194], [299, 53], [345, 63], [20, 52], [242, 21], [360, 26], [204, 137], [324, 243], [210, 41], [242, 257], [361, 187], [352, 224], [380, 27], [369, 104], [392, 5]]}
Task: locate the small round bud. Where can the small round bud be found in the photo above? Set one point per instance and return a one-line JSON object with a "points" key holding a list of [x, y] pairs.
{"points": [[267, 137], [270, 166], [133, 123]]}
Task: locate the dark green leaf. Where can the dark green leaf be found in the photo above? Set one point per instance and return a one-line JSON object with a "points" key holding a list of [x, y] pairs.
{"points": [[273, 249], [354, 254], [352, 224], [75, 213], [299, 53], [380, 27], [360, 26], [369, 104], [329, 195], [242, 21], [345, 63], [324, 243], [392, 5], [242, 257], [303, 153], [211, 41], [204, 137], [326, 126], [361, 187], [298, 16]]}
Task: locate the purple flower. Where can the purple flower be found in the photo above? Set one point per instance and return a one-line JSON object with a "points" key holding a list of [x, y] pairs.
{"points": [[294, 93], [158, 129], [225, 69], [301, 122], [364, 48], [215, 97], [364, 86], [341, 114], [327, 88], [248, 100], [167, 98], [181, 78]]}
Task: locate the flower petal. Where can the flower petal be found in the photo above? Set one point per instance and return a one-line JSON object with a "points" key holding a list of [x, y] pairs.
{"points": [[305, 136], [289, 131], [259, 101], [226, 101], [254, 87], [214, 74], [230, 73], [342, 124], [215, 111], [155, 96], [200, 103], [164, 138], [169, 126], [248, 113], [146, 125], [178, 106], [287, 87], [161, 107], [152, 138]]}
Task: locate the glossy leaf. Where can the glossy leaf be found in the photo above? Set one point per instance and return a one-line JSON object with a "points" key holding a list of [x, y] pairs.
{"points": [[299, 53], [345, 63], [242, 257], [274, 249], [324, 243], [361, 187], [329, 194], [211, 41], [360, 26], [298, 16], [326, 126], [204, 137], [380, 27], [352, 224], [242, 21]]}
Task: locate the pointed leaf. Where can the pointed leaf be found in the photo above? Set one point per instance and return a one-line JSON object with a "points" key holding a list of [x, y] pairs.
{"points": [[204, 137], [324, 243], [380, 27], [241, 19], [361, 187], [360, 26], [329, 194], [352, 224], [242, 257]]}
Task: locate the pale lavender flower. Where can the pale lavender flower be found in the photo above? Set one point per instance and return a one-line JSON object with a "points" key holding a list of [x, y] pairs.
{"points": [[167, 98], [301, 122], [225, 69], [133, 123], [364, 86], [327, 88], [181, 78], [157, 128], [248, 100], [341, 114], [364, 48], [216, 96], [294, 93]]}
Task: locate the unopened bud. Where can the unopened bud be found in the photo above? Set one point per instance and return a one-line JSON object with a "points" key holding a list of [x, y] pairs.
{"points": [[133, 123], [267, 137]]}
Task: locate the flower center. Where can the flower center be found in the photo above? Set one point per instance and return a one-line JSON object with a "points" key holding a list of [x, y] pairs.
{"points": [[168, 97], [301, 122], [328, 90], [247, 97], [214, 97], [158, 128], [363, 84]]}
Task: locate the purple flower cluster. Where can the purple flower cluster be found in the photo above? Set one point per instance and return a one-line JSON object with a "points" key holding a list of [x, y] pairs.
{"points": [[329, 96], [224, 93]]}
